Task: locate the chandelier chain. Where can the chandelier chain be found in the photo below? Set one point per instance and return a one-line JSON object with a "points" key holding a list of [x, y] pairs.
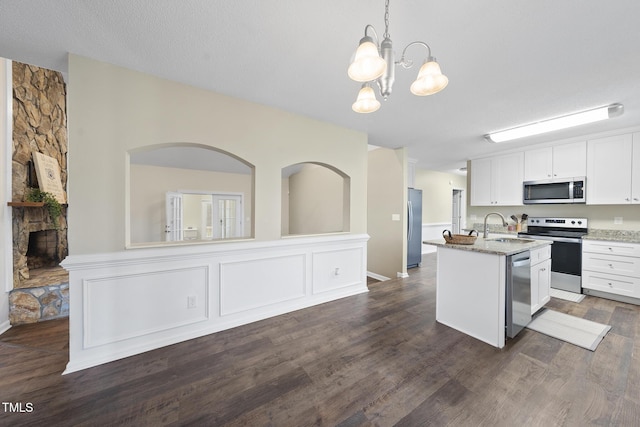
{"points": [[386, 19]]}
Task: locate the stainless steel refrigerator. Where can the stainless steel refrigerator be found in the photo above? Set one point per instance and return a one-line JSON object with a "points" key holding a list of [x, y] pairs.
{"points": [[414, 231]]}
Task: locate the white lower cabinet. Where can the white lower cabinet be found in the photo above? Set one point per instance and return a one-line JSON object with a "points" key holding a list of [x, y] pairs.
{"points": [[611, 267], [540, 277]]}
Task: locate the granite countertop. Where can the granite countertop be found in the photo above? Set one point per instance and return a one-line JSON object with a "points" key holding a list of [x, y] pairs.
{"points": [[625, 236], [490, 246]]}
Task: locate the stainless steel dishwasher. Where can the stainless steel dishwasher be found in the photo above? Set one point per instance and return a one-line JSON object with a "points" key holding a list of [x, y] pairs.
{"points": [[518, 295]]}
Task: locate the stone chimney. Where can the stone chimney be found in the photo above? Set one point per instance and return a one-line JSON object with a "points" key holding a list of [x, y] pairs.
{"points": [[39, 125]]}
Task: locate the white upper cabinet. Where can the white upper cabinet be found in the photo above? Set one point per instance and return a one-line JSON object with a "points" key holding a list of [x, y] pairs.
{"points": [[613, 170], [497, 181], [561, 161], [538, 164]]}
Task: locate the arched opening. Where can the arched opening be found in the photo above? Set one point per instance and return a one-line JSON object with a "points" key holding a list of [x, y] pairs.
{"points": [[315, 199], [188, 193]]}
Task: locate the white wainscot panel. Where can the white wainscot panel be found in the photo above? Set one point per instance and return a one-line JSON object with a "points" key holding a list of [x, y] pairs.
{"points": [[127, 302], [337, 269], [245, 285], [433, 231], [121, 307]]}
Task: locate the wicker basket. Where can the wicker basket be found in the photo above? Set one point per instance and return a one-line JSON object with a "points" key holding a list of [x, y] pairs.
{"points": [[460, 239]]}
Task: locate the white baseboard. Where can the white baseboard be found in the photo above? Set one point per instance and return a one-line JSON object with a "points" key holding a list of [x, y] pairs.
{"points": [[401, 275], [376, 276], [4, 327]]}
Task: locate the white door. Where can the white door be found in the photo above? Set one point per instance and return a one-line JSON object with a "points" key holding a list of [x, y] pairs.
{"points": [[206, 219], [173, 226], [456, 214], [227, 216]]}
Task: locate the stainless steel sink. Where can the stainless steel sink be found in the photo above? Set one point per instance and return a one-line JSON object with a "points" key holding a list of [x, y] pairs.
{"points": [[510, 240]]}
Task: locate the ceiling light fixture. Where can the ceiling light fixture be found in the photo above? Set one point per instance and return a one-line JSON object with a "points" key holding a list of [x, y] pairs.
{"points": [[373, 62], [564, 122]]}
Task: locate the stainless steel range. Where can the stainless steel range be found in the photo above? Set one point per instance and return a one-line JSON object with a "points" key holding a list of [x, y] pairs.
{"points": [[566, 250]]}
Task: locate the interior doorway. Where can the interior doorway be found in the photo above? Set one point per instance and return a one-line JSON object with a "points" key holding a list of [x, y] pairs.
{"points": [[197, 215], [457, 211]]}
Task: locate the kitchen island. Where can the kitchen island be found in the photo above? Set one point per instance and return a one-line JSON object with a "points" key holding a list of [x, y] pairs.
{"points": [[474, 293]]}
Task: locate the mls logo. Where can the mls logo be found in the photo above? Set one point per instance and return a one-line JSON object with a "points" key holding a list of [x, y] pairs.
{"points": [[17, 407]]}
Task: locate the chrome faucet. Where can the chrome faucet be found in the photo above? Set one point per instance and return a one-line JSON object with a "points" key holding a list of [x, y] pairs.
{"points": [[486, 229]]}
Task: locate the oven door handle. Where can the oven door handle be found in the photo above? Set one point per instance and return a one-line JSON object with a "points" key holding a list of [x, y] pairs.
{"points": [[555, 239]]}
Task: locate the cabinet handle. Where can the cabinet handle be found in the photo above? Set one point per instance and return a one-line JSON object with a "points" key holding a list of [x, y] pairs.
{"points": [[635, 199], [610, 285], [628, 199], [611, 265]]}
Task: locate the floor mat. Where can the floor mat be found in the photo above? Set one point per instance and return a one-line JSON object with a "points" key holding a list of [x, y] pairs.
{"points": [[581, 332], [569, 296]]}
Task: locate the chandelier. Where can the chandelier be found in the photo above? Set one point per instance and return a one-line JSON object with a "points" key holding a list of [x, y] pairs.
{"points": [[374, 61]]}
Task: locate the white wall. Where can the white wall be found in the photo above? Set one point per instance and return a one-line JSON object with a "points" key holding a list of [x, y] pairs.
{"points": [[387, 199], [6, 237], [124, 302], [437, 190], [316, 201], [113, 111]]}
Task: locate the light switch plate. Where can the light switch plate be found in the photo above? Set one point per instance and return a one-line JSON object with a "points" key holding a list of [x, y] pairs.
{"points": [[395, 217], [617, 220]]}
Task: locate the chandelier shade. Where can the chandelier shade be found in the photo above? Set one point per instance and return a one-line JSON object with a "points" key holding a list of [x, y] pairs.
{"points": [[430, 79], [367, 63], [366, 101]]}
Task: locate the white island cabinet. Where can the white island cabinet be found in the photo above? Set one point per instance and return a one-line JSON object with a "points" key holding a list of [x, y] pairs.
{"points": [[471, 288]]}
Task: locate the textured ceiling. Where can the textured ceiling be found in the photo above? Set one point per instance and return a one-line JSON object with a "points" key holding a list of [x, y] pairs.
{"points": [[508, 61]]}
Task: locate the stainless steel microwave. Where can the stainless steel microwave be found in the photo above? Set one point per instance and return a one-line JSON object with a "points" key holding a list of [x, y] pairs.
{"points": [[551, 191]]}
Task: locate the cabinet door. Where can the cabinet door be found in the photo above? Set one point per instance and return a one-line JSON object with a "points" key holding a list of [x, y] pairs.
{"points": [[540, 285], [635, 171], [538, 164], [481, 182], [570, 160], [507, 179], [609, 170]]}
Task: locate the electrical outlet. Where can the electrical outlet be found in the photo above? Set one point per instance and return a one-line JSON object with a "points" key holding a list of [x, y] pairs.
{"points": [[617, 220], [395, 217], [192, 301]]}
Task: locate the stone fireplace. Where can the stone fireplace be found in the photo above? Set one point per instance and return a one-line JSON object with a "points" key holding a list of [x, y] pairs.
{"points": [[40, 286]]}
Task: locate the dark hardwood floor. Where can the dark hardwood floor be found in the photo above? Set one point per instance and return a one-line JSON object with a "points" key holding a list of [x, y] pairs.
{"points": [[378, 359]]}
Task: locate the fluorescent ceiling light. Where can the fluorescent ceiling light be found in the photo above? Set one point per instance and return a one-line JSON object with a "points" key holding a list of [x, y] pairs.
{"points": [[558, 123]]}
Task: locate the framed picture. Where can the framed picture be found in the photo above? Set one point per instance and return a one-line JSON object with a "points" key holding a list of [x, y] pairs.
{"points": [[48, 173]]}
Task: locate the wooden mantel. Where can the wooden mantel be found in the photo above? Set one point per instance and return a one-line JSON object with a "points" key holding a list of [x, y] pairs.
{"points": [[26, 204]]}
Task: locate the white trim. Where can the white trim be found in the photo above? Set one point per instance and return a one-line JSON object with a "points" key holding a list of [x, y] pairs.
{"points": [[376, 276], [5, 181], [4, 327], [401, 275]]}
